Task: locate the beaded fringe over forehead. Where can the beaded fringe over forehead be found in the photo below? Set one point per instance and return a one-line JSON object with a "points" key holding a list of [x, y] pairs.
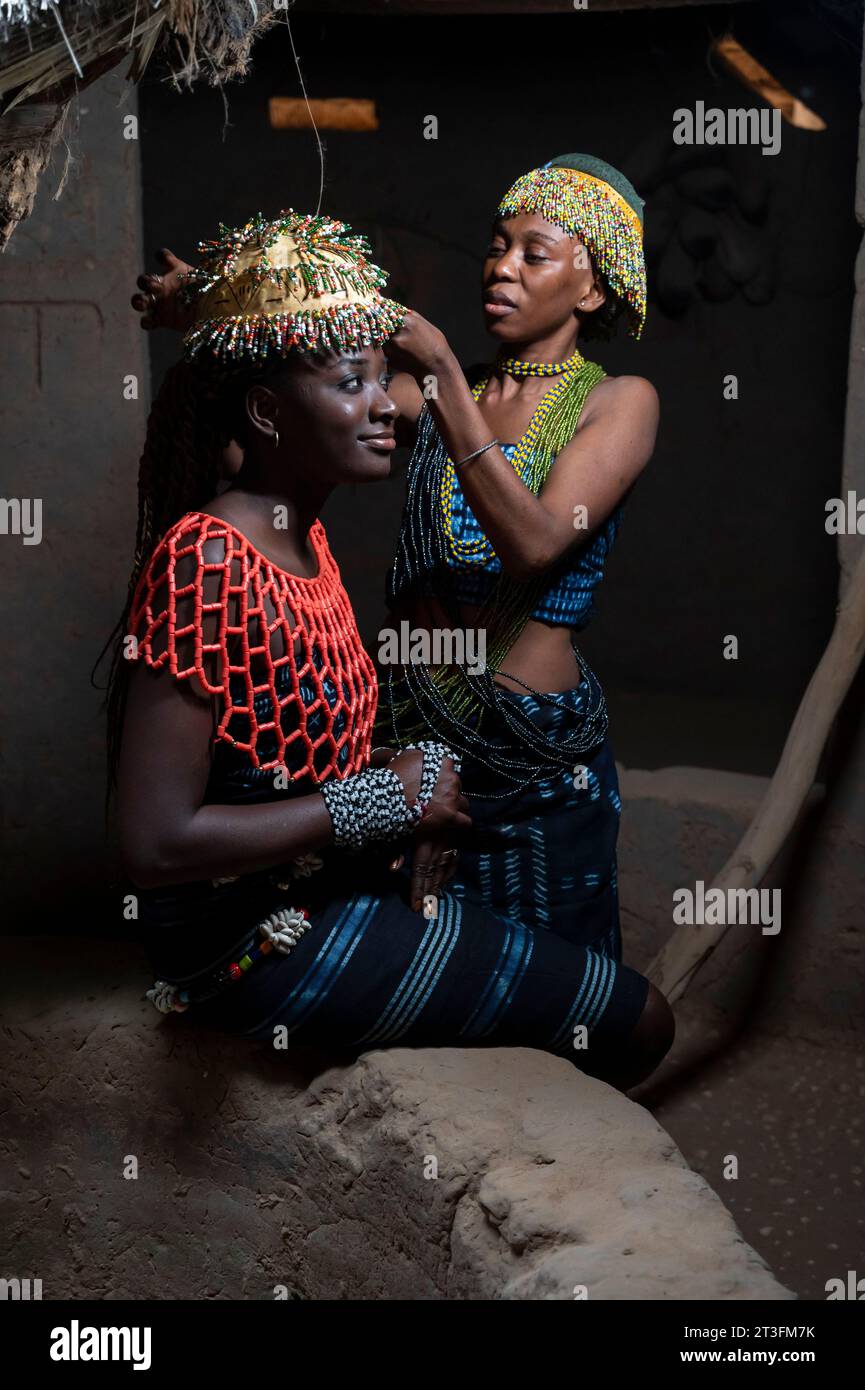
{"points": [[293, 282], [588, 207]]}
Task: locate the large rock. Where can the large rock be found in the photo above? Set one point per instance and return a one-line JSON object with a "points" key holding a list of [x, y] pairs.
{"points": [[411, 1173]]}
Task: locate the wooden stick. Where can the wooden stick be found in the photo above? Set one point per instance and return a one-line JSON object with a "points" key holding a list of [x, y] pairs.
{"points": [[689, 946], [329, 113]]}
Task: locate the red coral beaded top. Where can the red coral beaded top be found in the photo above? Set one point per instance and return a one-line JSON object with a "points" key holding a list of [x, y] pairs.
{"points": [[274, 647]]}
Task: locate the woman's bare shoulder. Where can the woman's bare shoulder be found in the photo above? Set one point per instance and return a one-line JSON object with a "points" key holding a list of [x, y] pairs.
{"points": [[635, 394]]}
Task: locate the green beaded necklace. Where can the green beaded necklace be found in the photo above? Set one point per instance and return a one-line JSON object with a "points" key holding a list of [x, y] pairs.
{"points": [[529, 463], [553, 423], [511, 602]]}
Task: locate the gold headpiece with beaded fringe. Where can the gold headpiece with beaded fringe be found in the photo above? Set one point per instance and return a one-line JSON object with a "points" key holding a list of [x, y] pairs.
{"points": [[296, 281]]}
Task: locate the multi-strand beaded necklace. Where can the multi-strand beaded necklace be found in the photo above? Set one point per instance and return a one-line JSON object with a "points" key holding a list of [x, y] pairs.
{"points": [[531, 461], [470, 712]]}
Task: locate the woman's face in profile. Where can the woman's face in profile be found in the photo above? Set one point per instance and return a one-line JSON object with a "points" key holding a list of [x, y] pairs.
{"points": [[333, 414]]}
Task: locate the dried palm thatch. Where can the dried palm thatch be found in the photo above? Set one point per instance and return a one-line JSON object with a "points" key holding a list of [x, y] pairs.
{"points": [[27, 138], [51, 49]]}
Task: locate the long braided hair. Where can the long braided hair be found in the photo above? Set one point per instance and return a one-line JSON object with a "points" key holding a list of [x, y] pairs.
{"points": [[188, 428]]}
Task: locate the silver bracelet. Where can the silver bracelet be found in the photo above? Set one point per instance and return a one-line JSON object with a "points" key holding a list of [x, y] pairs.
{"points": [[482, 450]]}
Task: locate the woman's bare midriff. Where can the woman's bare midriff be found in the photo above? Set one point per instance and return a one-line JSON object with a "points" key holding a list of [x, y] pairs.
{"points": [[542, 656]]}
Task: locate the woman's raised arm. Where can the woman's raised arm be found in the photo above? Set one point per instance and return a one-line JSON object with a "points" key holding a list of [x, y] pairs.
{"points": [[609, 449]]}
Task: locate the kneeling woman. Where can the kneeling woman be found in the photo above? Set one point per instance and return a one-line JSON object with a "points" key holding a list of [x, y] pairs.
{"points": [[259, 829]]}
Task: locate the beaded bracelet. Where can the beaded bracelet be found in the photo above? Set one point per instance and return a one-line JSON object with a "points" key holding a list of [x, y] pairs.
{"points": [[367, 807], [434, 755], [371, 806]]}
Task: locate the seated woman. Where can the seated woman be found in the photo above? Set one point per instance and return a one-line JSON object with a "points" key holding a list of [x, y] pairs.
{"points": [[258, 827]]}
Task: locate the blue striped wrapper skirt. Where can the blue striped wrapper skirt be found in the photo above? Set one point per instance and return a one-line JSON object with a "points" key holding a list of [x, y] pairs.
{"points": [[524, 948]]}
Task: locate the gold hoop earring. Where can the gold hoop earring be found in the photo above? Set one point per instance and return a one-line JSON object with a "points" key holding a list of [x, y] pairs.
{"points": [[276, 439]]}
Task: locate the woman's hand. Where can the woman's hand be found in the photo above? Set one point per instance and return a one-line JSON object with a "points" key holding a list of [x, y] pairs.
{"points": [[160, 304], [447, 809], [434, 860], [418, 347], [434, 864]]}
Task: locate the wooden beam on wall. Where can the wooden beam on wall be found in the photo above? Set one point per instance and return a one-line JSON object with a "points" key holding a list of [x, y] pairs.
{"points": [[329, 113]]}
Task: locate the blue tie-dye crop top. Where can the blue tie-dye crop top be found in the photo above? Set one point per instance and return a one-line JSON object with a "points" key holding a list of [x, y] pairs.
{"points": [[568, 596]]}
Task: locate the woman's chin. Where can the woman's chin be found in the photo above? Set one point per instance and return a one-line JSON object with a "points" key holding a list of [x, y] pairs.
{"points": [[503, 329], [370, 469]]}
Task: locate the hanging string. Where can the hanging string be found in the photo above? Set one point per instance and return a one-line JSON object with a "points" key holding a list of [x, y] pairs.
{"points": [[311, 117], [56, 13]]}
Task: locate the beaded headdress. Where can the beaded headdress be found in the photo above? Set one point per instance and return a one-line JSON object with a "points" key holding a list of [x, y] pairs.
{"points": [[591, 200], [294, 281]]}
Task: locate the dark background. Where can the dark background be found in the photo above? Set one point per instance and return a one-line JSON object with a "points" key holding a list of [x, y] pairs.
{"points": [[725, 531]]}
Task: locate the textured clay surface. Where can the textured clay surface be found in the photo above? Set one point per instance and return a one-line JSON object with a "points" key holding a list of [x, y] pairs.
{"points": [[411, 1173]]}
